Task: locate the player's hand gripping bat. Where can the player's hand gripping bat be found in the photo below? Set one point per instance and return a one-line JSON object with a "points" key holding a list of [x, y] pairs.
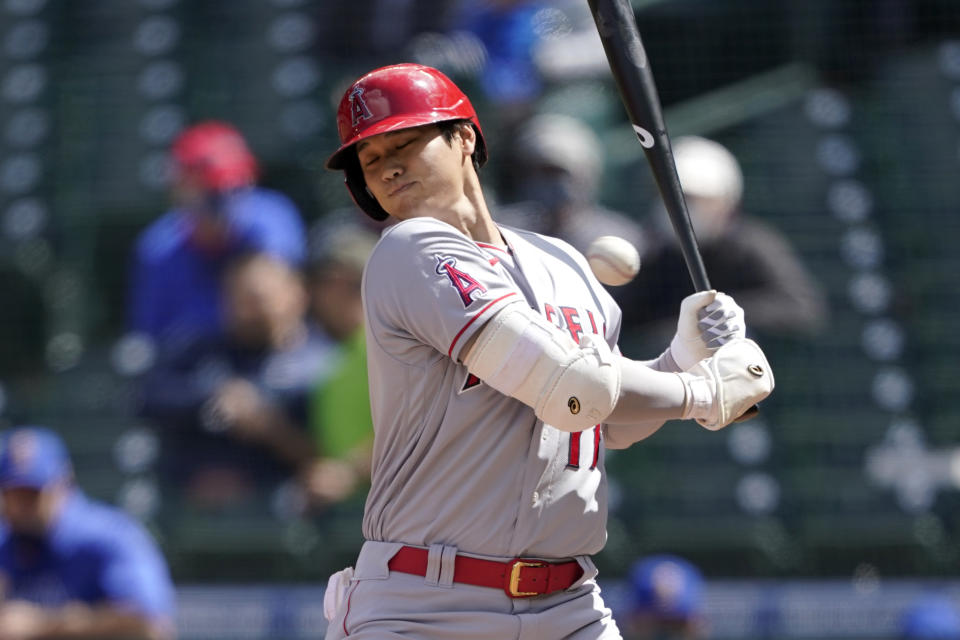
{"points": [[620, 36]]}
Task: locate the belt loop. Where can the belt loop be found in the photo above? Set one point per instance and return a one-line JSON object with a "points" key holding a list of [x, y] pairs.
{"points": [[589, 570], [448, 562], [432, 576]]}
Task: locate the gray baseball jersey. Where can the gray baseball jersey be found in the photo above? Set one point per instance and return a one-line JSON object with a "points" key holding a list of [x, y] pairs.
{"points": [[454, 461]]}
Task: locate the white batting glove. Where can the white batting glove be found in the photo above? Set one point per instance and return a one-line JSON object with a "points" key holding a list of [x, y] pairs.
{"points": [[721, 321], [336, 592], [707, 321], [723, 386]]}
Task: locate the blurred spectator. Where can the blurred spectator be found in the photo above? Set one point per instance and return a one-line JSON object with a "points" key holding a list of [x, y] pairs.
{"points": [[509, 33], [666, 600], [218, 213], [233, 408], [744, 257], [340, 405], [554, 170], [71, 567], [363, 30], [932, 616]]}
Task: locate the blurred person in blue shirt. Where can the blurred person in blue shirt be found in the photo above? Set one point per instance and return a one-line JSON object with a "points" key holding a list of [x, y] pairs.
{"points": [[71, 567], [509, 31], [233, 407], [218, 213], [932, 616], [666, 600]]}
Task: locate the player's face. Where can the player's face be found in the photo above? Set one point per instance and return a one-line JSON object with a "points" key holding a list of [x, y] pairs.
{"points": [[417, 172], [265, 302], [29, 511]]}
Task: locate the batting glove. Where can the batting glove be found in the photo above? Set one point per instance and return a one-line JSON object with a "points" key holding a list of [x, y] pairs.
{"points": [[707, 321], [722, 387]]}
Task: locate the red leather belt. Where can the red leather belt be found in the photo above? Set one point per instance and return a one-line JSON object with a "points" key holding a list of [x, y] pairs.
{"points": [[519, 578]]}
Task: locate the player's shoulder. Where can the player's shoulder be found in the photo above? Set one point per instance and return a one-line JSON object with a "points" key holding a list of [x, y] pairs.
{"points": [[161, 237], [552, 244], [406, 230], [408, 240], [263, 207], [93, 524], [274, 198]]}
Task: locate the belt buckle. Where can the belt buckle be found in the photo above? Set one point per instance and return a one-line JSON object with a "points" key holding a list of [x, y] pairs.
{"points": [[514, 584]]}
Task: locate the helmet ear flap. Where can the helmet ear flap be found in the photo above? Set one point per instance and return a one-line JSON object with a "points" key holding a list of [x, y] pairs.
{"points": [[357, 186]]}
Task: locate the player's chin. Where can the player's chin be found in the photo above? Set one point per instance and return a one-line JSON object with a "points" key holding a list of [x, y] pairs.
{"points": [[403, 208]]}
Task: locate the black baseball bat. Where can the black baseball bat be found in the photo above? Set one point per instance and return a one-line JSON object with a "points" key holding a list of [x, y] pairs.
{"points": [[618, 31], [631, 70]]}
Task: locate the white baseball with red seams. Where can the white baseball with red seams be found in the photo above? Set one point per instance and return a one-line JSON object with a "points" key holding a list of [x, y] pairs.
{"points": [[613, 260]]}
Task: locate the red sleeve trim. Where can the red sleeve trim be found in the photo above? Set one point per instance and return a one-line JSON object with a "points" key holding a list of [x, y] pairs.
{"points": [[490, 246], [470, 321]]}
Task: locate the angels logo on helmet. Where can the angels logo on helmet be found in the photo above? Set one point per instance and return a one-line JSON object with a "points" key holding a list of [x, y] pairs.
{"points": [[358, 106]]}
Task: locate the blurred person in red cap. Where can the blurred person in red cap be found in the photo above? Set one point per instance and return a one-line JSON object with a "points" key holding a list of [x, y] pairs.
{"points": [[72, 567], [217, 213]]}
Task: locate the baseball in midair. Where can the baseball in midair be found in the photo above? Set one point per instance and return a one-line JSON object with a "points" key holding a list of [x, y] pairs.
{"points": [[614, 261]]}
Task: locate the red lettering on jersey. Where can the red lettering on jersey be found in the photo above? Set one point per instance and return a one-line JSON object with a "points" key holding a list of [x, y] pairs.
{"points": [[573, 322], [465, 284], [573, 452], [549, 313], [593, 324], [471, 382], [596, 446]]}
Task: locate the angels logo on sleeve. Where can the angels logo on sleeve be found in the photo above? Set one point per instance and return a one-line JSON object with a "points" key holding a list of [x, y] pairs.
{"points": [[465, 284]]}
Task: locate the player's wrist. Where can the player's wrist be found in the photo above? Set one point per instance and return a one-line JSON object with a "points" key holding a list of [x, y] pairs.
{"points": [[665, 362], [698, 402], [686, 352]]}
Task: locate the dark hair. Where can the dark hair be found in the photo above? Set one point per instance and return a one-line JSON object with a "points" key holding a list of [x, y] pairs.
{"points": [[448, 128]]}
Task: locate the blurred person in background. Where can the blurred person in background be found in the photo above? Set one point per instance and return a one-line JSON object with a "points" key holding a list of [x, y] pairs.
{"points": [[509, 33], [232, 408], [360, 31], [72, 567], [340, 421], [552, 177], [218, 213], [931, 616], [666, 600], [744, 257]]}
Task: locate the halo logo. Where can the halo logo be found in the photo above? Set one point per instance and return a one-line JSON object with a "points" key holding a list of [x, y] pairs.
{"points": [[358, 106]]}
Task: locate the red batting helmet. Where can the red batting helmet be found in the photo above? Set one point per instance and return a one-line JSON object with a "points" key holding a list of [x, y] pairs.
{"points": [[217, 153], [391, 98]]}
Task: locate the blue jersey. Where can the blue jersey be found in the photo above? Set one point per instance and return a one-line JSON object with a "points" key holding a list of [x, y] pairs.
{"points": [[175, 289], [95, 554]]}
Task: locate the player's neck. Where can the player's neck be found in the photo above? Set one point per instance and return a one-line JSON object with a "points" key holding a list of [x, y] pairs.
{"points": [[476, 221]]}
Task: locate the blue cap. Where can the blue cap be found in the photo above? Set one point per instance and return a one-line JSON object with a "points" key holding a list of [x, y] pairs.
{"points": [[666, 586], [32, 457], [931, 616]]}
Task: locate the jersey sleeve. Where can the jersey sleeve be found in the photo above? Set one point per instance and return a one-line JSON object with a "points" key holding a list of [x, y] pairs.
{"points": [[135, 577], [426, 281]]}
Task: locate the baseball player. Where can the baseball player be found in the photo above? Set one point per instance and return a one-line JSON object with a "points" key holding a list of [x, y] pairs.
{"points": [[495, 387]]}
